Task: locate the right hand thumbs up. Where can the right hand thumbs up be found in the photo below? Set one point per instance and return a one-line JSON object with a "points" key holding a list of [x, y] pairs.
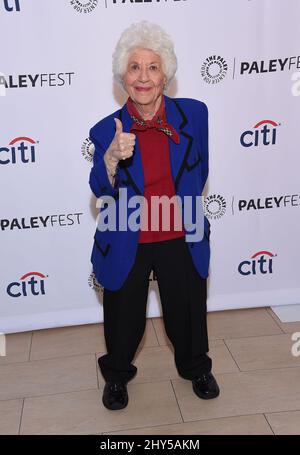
{"points": [[119, 126], [122, 145]]}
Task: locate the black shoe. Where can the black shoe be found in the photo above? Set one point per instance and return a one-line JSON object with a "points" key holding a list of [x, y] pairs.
{"points": [[205, 386], [115, 395]]}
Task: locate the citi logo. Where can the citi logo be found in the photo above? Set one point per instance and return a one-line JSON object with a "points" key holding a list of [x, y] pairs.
{"points": [[11, 5], [260, 263], [263, 133], [20, 150], [32, 283]]}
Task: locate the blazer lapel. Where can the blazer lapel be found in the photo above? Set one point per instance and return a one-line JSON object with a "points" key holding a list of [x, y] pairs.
{"points": [[178, 152]]}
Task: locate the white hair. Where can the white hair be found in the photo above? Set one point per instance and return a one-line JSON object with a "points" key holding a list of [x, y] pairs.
{"points": [[145, 35]]}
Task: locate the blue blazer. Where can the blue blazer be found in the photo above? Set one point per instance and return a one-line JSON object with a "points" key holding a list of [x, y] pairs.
{"points": [[114, 251]]}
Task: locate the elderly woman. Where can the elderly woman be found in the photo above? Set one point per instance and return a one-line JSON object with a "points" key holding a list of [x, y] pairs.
{"points": [[153, 147]]}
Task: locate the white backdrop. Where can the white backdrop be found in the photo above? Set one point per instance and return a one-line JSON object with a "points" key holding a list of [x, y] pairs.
{"points": [[241, 57]]}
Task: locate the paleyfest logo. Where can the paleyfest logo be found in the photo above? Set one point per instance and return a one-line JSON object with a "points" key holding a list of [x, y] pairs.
{"points": [[270, 66], [35, 80], [154, 2], [40, 221], [267, 203]]}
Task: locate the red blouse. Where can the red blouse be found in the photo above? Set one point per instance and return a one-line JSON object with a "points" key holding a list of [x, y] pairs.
{"points": [[158, 180]]}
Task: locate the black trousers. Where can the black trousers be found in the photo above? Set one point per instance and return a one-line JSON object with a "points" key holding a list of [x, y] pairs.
{"points": [[183, 296]]}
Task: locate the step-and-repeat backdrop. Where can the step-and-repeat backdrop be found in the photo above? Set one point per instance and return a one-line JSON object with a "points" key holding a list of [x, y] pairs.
{"points": [[241, 57]]}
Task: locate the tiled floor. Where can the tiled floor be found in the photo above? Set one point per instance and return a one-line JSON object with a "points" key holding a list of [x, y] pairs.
{"points": [[50, 383]]}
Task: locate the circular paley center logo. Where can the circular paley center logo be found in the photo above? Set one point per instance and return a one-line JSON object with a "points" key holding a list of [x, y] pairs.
{"points": [[214, 69], [93, 283], [88, 150], [84, 6], [214, 206]]}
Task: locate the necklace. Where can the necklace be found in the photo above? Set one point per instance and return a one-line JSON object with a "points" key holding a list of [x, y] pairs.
{"points": [[142, 114]]}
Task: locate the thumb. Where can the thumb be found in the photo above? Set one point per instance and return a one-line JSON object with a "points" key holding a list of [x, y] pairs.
{"points": [[119, 126]]}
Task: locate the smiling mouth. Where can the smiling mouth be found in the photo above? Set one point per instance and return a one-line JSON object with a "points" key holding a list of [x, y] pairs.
{"points": [[143, 89]]}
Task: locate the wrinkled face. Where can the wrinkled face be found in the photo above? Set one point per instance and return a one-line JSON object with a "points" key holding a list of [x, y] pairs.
{"points": [[144, 78]]}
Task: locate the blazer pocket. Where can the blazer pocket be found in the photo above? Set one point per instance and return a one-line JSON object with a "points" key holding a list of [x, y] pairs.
{"points": [[193, 160], [206, 228], [101, 244]]}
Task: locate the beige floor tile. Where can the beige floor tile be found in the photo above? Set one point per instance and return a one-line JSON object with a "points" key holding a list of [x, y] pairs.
{"points": [[241, 323], [83, 412], [17, 347], [243, 393], [285, 423], [76, 340], [67, 341], [41, 377], [230, 324], [287, 327], [260, 353], [222, 361], [62, 376], [157, 363], [241, 425], [159, 328], [149, 338], [10, 414]]}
